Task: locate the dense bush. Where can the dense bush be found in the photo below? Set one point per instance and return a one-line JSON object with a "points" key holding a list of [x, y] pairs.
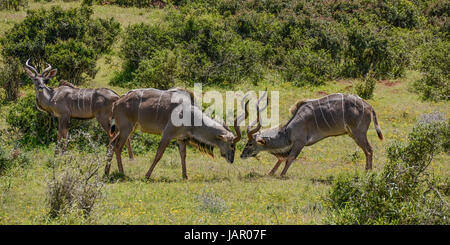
{"points": [[11, 78], [374, 49], [404, 192], [68, 36], [13, 4], [141, 41], [304, 66], [203, 51], [351, 37], [435, 66], [10, 154], [161, 71], [365, 87]]}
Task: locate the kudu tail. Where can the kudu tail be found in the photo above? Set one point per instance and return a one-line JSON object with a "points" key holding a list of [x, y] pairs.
{"points": [[377, 126], [113, 132]]}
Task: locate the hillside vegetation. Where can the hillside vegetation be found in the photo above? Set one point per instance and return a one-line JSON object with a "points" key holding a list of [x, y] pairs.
{"points": [[395, 54]]}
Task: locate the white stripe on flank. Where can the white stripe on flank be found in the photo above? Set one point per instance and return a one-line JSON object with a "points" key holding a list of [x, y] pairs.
{"points": [[139, 107], [343, 111], [329, 107], [323, 116], [78, 99], [83, 98], [315, 119], [92, 101], [362, 114]]}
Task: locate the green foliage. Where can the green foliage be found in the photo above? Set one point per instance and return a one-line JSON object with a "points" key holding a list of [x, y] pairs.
{"points": [[13, 4], [203, 51], [141, 41], [405, 192], [435, 66], [10, 155], [304, 66], [35, 127], [373, 49], [73, 59], [365, 88], [161, 71], [61, 36], [11, 78]]}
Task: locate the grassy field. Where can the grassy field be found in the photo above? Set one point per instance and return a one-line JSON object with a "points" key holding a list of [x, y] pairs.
{"points": [[242, 191]]}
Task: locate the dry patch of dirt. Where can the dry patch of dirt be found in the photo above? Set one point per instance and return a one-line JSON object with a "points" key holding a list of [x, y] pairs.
{"points": [[389, 83]]}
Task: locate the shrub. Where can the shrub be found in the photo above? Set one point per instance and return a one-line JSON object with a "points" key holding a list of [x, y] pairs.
{"points": [[13, 4], [73, 59], [11, 156], [366, 87], [75, 185], [141, 41], [404, 192], [44, 33], [161, 71], [305, 66], [435, 66], [399, 13], [11, 78], [211, 202]]}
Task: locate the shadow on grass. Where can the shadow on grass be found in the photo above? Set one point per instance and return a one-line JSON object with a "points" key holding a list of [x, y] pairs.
{"points": [[252, 176], [326, 181], [115, 177], [201, 179]]}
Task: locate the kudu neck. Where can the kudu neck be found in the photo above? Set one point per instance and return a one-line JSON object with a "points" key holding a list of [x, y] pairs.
{"points": [[44, 96]]}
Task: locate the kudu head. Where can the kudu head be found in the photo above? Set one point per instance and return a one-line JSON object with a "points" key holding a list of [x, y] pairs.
{"points": [[227, 142], [40, 79], [255, 143]]}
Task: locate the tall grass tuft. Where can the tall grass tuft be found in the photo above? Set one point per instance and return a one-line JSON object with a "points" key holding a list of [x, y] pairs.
{"points": [[75, 185], [212, 203]]}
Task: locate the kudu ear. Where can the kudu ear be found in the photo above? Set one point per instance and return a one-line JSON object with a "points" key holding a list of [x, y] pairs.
{"points": [[30, 73], [222, 137], [261, 141], [51, 74]]}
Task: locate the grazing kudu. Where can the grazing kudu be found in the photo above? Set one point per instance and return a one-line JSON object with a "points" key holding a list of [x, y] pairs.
{"points": [[67, 101], [312, 121], [151, 110]]}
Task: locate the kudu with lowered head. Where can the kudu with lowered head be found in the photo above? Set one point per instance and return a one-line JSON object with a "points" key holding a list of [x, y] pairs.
{"points": [[151, 109], [67, 101], [312, 121]]}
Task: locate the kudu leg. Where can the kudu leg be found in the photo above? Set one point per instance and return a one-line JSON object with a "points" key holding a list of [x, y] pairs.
{"points": [[130, 151], [292, 156], [63, 129], [182, 149], [274, 169], [363, 143], [118, 143], [105, 124], [161, 148]]}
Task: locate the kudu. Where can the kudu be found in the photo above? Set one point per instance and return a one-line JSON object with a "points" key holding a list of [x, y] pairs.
{"points": [[151, 109], [67, 101], [312, 121]]}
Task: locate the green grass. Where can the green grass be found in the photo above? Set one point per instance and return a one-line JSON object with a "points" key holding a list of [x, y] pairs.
{"points": [[248, 195]]}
